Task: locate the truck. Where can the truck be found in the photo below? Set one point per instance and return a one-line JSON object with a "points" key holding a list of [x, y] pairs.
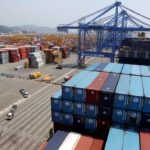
{"points": [[11, 113], [24, 93], [47, 78], [35, 75]]}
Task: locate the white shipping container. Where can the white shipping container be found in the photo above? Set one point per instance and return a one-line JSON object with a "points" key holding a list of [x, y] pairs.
{"points": [[70, 142]]}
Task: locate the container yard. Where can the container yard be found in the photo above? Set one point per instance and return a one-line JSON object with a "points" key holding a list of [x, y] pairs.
{"points": [[84, 87]]}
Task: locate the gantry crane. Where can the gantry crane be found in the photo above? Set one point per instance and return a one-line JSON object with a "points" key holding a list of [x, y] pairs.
{"points": [[101, 30]]}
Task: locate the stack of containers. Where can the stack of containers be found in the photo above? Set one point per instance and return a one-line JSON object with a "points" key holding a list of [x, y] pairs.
{"points": [[28, 49], [79, 97], [13, 54], [65, 52], [4, 57], [135, 51], [52, 56], [128, 101], [60, 98], [70, 108], [94, 111], [119, 139], [145, 119], [36, 59], [106, 101], [73, 141], [22, 52]]}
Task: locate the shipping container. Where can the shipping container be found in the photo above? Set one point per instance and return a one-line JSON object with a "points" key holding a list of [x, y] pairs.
{"points": [[56, 101], [117, 68], [105, 113], [78, 122], [70, 142], [133, 118], [92, 91], [80, 89], [145, 71], [84, 143], [92, 67], [109, 67], [103, 125], [67, 88], [115, 139], [56, 116], [127, 69], [90, 124], [145, 121], [97, 144], [146, 101], [67, 106], [136, 70], [67, 119], [131, 141], [144, 141], [91, 110], [106, 96], [79, 108], [118, 115], [135, 102], [101, 67], [122, 92], [56, 140]]}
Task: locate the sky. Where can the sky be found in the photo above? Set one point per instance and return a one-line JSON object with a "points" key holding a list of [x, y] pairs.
{"points": [[54, 12]]}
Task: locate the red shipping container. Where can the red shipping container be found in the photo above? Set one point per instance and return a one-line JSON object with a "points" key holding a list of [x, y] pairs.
{"points": [[145, 141], [92, 91], [84, 143], [103, 125], [97, 144]]}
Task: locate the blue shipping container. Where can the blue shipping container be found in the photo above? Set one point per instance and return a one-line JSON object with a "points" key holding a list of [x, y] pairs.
{"points": [[56, 140], [101, 67], [56, 117], [79, 108], [117, 68], [67, 106], [146, 87], [133, 118], [136, 70], [127, 69], [67, 119], [115, 139], [118, 115], [135, 102], [56, 101], [67, 88], [109, 67], [80, 89], [145, 71], [90, 124], [131, 141], [91, 110], [122, 92], [92, 67]]}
